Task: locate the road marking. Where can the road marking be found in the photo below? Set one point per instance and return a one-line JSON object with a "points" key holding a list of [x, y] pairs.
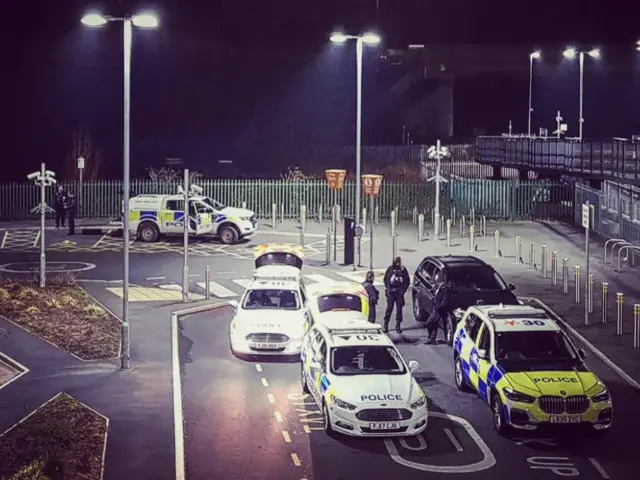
{"points": [[264, 382], [296, 460], [286, 436], [598, 467], [271, 398], [218, 290], [278, 416], [258, 367], [243, 282], [100, 240], [19, 371], [174, 287], [453, 439], [151, 294], [35, 242], [156, 278], [319, 278], [194, 275], [308, 429], [178, 426], [4, 238]]}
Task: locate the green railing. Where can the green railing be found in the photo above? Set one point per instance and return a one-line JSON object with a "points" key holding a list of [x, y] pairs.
{"points": [[503, 199]]}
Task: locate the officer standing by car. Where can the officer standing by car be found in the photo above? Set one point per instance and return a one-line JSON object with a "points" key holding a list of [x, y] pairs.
{"points": [[70, 208], [59, 206], [373, 294], [441, 310], [396, 283]]}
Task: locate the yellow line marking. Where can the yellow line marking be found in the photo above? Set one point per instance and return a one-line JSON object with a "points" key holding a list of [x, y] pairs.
{"points": [[264, 382], [296, 460], [35, 243], [271, 398], [286, 436], [4, 238], [306, 429], [258, 367], [99, 240], [149, 294], [277, 416]]}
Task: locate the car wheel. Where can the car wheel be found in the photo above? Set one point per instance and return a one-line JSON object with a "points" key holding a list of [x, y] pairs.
{"points": [[228, 235], [461, 383], [303, 381], [326, 420], [418, 313], [148, 233], [499, 421], [451, 327]]}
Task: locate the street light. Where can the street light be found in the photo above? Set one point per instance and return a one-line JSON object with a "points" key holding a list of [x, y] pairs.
{"points": [[532, 56], [143, 20], [571, 53], [638, 45], [43, 179], [370, 39]]}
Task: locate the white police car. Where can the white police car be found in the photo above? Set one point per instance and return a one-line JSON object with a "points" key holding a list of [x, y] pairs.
{"points": [[359, 380]]}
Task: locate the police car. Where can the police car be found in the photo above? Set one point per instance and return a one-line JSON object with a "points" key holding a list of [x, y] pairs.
{"points": [[525, 367], [270, 317], [336, 296], [359, 380], [151, 216]]}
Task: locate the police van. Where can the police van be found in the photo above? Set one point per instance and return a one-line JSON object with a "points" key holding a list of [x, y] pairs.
{"points": [[151, 216]]}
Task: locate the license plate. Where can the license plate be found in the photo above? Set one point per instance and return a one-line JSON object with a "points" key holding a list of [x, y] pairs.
{"points": [[265, 346], [384, 426], [565, 419]]}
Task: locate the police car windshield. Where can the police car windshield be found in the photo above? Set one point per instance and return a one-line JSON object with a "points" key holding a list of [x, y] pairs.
{"points": [[339, 301], [366, 360], [213, 203], [271, 299], [534, 351], [476, 277]]}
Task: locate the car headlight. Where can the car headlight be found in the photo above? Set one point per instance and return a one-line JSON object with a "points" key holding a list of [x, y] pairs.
{"points": [[246, 219], [603, 396], [419, 403], [341, 403], [514, 396]]}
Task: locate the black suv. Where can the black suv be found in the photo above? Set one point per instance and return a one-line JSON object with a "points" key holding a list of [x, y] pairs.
{"points": [[473, 281]]}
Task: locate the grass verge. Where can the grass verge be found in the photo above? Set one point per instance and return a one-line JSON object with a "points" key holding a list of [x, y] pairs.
{"points": [[63, 439], [63, 314]]}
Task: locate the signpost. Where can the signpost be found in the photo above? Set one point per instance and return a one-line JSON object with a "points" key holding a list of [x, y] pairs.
{"points": [[437, 152], [586, 223], [335, 180], [44, 178], [80, 197], [371, 185], [185, 238]]}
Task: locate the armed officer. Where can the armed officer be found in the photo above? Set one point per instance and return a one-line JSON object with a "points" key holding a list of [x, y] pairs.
{"points": [[396, 283], [441, 310], [373, 294]]}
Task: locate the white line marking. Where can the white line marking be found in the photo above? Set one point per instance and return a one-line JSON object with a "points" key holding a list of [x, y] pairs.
{"points": [[23, 370], [178, 426], [243, 282], [35, 242], [217, 290], [258, 367], [264, 382], [225, 273], [306, 428], [194, 274], [599, 467], [277, 416], [271, 398], [606, 360], [100, 240], [156, 278], [286, 436], [319, 278], [4, 238], [453, 439], [296, 460], [171, 286]]}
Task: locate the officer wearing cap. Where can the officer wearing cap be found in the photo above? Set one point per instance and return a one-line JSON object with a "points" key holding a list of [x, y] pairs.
{"points": [[396, 283]]}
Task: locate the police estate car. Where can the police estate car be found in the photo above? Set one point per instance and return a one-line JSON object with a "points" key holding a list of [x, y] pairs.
{"points": [[270, 317], [357, 377], [525, 367], [336, 297]]}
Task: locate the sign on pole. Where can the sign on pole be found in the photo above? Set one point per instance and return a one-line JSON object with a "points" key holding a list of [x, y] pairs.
{"points": [[586, 216], [80, 163], [335, 178], [586, 223]]}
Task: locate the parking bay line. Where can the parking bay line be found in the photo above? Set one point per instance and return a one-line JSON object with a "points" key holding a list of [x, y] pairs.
{"points": [[453, 439], [4, 238], [217, 290], [603, 473]]}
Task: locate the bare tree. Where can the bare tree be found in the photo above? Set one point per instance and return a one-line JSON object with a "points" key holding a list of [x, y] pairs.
{"points": [[84, 147], [167, 175]]}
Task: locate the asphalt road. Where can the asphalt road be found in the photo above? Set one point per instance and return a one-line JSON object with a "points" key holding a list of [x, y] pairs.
{"points": [[250, 420]]}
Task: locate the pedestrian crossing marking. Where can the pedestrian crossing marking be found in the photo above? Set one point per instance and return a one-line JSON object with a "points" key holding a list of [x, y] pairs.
{"points": [[243, 282], [20, 239], [151, 294], [216, 289], [319, 278]]}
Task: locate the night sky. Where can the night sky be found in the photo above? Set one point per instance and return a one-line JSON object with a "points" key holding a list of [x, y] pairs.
{"points": [[254, 80]]}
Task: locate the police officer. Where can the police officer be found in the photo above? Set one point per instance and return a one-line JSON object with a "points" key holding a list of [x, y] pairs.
{"points": [[396, 283], [70, 208], [441, 309], [373, 294], [59, 206]]}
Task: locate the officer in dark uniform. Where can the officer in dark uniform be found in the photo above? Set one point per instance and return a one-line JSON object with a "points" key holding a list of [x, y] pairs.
{"points": [[70, 208], [396, 283], [373, 294], [59, 206], [441, 309]]}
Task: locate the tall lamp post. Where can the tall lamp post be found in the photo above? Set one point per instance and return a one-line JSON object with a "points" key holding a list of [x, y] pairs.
{"points": [[371, 39], [532, 56], [145, 20], [571, 53]]}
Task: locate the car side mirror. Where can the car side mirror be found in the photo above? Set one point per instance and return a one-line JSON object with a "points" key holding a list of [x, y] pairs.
{"points": [[483, 354], [582, 354], [512, 287], [413, 366]]}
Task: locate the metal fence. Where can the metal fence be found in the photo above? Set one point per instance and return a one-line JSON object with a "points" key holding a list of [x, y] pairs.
{"points": [[503, 199]]}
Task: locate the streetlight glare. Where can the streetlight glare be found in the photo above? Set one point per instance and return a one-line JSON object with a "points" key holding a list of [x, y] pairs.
{"points": [[338, 38], [371, 38], [595, 53], [145, 20], [536, 55], [93, 20], [569, 53]]}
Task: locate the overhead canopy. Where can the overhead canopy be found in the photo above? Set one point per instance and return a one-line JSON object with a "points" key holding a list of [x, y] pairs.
{"points": [[279, 254]]}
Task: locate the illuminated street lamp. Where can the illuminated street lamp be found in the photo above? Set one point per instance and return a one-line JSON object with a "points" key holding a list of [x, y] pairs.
{"points": [[144, 20], [638, 45], [370, 39], [571, 53], [532, 56]]}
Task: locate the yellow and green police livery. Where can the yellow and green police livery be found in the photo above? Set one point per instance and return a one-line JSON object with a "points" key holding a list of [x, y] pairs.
{"points": [[525, 367]]}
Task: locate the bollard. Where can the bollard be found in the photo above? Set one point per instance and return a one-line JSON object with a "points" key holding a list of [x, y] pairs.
{"points": [[329, 246], [496, 244], [472, 219], [483, 225], [433, 217], [320, 213], [338, 213], [448, 232], [619, 313], [207, 277], [543, 261], [518, 250], [397, 216], [636, 325], [414, 215], [577, 273], [282, 213], [303, 217], [244, 205], [565, 276], [393, 222], [554, 268], [377, 215], [302, 238], [394, 247], [453, 215], [420, 227], [605, 303], [274, 215], [363, 220], [472, 238], [463, 226], [590, 294], [532, 256], [443, 225]]}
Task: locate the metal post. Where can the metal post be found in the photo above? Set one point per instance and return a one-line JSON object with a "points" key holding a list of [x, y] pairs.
{"points": [[207, 279], [303, 217], [605, 303], [543, 261], [589, 297], [636, 326], [581, 120], [496, 244], [620, 313], [377, 212], [282, 213], [532, 256], [43, 217], [565, 276], [436, 219], [463, 226], [394, 247], [472, 220], [397, 216], [80, 195], [420, 227], [244, 205], [518, 250], [302, 238], [577, 274], [359, 48], [586, 253], [443, 224], [472, 238], [363, 219], [554, 268], [320, 213], [185, 238], [371, 232], [393, 222], [483, 225], [329, 246], [414, 215], [448, 232], [274, 215], [530, 93], [335, 231]]}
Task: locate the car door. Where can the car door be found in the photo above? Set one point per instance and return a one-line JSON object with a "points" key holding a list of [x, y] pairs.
{"points": [[468, 351], [430, 292], [483, 365], [203, 217], [421, 284], [175, 209], [316, 366]]}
